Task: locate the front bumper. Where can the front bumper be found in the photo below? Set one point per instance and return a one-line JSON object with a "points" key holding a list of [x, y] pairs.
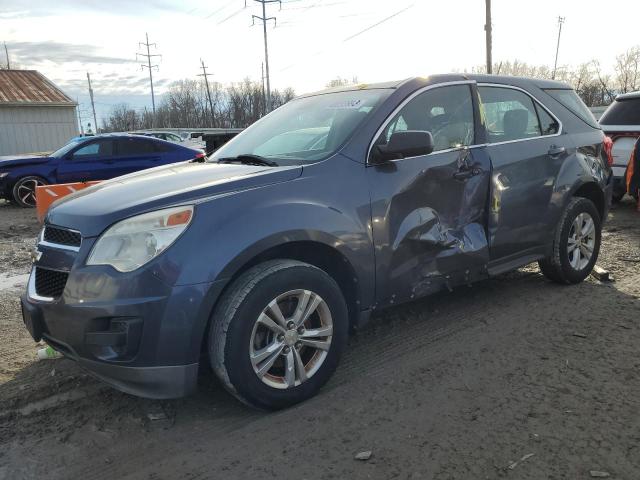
{"points": [[132, 331]]}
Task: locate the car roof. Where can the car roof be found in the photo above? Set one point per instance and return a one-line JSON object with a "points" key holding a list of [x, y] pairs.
{"points": [[521, 82], [123, 135], [628, 95]]}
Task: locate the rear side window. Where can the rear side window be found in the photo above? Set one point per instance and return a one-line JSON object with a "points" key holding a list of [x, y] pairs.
{"points": [[134, 146], [162, 147], [572, 102], [509, 114], [622, 112]]}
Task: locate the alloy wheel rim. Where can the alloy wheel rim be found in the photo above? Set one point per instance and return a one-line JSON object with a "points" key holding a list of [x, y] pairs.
{"points": [[291, 339], [581, 241], [26, 191]]}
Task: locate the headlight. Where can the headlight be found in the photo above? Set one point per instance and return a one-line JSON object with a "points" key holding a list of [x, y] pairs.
{"points": [[3, 174], [131, 243]]}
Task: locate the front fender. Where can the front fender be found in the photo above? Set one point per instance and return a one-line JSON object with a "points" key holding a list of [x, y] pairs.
{"points": [[229, 231]]}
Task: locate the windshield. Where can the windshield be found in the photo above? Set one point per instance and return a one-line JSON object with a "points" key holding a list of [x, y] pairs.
{"points": [[622, 112], [61, 152], [305, 130]]}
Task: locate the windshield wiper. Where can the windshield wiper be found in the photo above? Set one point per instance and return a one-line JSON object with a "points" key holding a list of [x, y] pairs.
{"points": [[249, 159]]}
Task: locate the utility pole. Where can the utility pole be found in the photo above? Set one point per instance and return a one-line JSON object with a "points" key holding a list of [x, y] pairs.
{"points": [[79, 119], [264, 98], [264, 19], [7, 54], [93, 107], [555, 64], [148, 56], [206, 82], [487, 29]]}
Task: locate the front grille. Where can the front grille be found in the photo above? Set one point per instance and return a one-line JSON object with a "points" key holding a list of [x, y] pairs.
{"points": [[50, 283], [62, 236]]}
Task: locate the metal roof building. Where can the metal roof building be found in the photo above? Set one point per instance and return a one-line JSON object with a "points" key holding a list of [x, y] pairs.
{"points": [[35, 115]]}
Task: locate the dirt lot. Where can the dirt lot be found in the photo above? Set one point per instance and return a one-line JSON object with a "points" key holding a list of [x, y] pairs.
{"points": [[512, 378]]}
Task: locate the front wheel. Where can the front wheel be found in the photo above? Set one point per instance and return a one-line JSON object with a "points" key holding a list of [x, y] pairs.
{"points": [[24, 191], [278, 333], [576, 243]]}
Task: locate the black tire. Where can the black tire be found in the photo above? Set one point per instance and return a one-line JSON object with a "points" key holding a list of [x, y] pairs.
{"points": [[232, 330], [20, 190], [558, 266]]}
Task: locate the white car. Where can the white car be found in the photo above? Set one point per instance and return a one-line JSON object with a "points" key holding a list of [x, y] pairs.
{"points": [[621, 122]]}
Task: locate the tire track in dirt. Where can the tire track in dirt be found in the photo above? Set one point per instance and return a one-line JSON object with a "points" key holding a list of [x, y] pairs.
{"points": [[373, 354]]}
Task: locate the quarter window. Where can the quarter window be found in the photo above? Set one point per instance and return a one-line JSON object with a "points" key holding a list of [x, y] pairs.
{"points": [[548, 124], [446, 112], [510, 114]]}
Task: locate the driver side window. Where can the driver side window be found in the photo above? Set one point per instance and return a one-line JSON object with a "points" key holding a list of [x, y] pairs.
{"points": [[446, 112], [99, 147]]}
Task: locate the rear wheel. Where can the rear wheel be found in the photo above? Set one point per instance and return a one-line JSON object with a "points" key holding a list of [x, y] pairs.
{"points": [[24, 191], [576, 243], [278, 333]]}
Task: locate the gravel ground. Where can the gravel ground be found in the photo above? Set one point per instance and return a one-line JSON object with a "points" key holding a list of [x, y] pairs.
{"points": [[515, 377]]}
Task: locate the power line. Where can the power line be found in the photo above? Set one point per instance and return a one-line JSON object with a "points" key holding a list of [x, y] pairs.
{"points": [[148, 56], [219, 9], [206, 82], [264, 20], [555, 63], [386, 19], [307, 57]]}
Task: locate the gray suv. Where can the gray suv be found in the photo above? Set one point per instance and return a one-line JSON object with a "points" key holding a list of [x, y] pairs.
{"points": [[261, 259]]}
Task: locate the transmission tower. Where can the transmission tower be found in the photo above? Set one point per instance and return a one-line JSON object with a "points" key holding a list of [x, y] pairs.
{"points": [[148, 65], [264, 19]]}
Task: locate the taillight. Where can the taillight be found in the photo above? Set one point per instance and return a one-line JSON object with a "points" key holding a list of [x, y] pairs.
{"points": [[608, 149], [204, 155]]}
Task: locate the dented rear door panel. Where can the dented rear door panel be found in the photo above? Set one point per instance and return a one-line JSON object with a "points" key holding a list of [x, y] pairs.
{"points": [[429, 228]]}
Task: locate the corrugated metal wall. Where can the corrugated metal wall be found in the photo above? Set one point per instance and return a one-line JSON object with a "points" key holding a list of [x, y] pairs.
{"points": [[36, 129]]}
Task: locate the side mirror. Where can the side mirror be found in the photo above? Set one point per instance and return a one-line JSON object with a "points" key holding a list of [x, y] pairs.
{"points": [[410, 143]]}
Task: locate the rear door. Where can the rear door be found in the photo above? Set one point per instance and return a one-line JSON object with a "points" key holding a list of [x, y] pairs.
{"points": [[90, 161], [429, 212], [134, 154], [526, 151]]}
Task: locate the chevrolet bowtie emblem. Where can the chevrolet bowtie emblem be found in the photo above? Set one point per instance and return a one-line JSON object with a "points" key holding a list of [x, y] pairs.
{"points": [[35, 255]]}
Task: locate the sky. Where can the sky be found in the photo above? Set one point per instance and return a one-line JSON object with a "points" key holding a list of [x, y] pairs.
{"points": [[312, 42]]}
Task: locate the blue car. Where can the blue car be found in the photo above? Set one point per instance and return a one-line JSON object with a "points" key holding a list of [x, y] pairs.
{"points": [[263, 258], [84, 159]]}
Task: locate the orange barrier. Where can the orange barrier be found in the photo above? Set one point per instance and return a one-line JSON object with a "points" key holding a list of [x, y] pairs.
{"points": [[47, 194]]}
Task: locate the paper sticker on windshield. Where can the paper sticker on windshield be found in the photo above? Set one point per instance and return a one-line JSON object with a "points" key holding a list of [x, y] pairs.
{"points": [[346, 105]]}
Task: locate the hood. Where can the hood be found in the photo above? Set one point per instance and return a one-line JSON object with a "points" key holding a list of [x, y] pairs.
{"points": [[93, 209], [17, 160]]}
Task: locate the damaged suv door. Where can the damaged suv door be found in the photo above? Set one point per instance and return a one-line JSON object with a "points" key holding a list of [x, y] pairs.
{"points": [[429, 212]]}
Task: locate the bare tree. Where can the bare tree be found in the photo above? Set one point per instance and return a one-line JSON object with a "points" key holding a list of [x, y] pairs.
{"points": [[627, 70], [186, 105], [587, 78]]}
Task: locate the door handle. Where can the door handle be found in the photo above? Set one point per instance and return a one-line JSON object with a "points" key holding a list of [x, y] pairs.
{"points": [[555, 151], [466, 173]]}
